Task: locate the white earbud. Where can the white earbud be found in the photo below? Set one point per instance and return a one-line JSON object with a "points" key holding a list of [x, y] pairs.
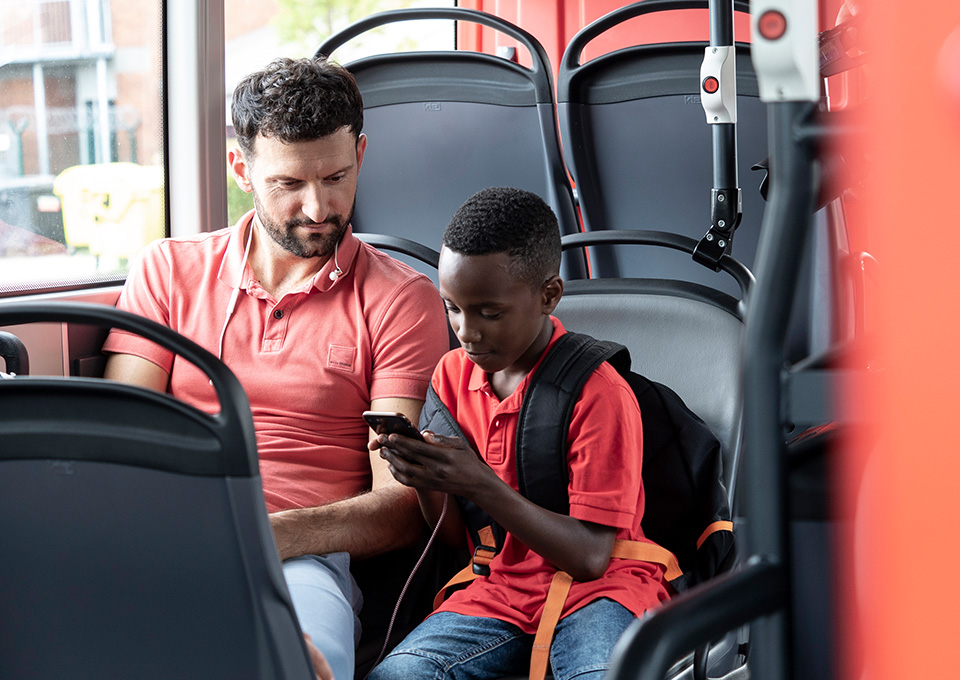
{"points": [[336, 273]]}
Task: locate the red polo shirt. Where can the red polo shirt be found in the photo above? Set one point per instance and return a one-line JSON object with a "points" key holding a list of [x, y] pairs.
{"points": [[605, 458], [310, 362]]}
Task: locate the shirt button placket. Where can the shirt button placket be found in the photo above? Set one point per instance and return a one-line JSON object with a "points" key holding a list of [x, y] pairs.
{"points": [[275, 331]]}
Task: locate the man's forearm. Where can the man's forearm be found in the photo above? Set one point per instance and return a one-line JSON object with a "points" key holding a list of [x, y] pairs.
{"points": [[365, 526]]}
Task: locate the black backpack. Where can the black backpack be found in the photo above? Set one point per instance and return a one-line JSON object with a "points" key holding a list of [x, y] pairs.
{"points": [[686, 508]]}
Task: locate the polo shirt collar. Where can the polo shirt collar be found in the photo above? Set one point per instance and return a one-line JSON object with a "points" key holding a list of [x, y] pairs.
{"points": [[478, 381], [346, 259], [230, 266], [230, 271]]}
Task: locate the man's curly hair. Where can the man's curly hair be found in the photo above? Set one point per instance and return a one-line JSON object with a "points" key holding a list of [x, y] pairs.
{"points": [[512, 221], [296, 100]]}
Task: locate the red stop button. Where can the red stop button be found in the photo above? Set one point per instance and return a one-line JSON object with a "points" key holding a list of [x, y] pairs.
{"points": [[710, 85], [772, 25]]}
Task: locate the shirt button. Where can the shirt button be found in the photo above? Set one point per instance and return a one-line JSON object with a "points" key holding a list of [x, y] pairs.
{"points": [[278, 314]]}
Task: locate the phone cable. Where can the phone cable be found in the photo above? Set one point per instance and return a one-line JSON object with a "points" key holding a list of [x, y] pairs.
{"points": [[393, 617]]}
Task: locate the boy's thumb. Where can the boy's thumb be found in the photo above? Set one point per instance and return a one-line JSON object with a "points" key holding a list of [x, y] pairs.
{"points": [[434, 438]]}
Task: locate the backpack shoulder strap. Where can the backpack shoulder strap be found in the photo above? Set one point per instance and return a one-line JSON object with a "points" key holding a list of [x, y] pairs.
{"points": [[436, 417], [546, 412], [486, 535]]}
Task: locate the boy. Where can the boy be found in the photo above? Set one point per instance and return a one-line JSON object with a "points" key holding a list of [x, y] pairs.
{"points": [[499, 280]]}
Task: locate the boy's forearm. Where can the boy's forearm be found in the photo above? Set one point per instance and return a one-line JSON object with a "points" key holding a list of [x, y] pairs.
{"points": [[580, 548], [373, 523]]}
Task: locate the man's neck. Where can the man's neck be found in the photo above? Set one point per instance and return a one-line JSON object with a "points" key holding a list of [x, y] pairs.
{"points": [[277, 270]]}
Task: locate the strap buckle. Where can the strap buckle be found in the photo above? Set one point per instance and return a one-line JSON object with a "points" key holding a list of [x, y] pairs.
{"points": [[481, 562]]}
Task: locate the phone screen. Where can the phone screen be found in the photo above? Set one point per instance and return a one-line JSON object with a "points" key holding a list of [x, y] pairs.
{"points": [[391, 423]]}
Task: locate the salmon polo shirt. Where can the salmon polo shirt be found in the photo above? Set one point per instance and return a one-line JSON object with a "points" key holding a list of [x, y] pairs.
{"points": [[310, 362], [604, 463]]}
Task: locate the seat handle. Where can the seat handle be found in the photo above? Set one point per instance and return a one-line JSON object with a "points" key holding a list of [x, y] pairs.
{"points": [[541, 72], [233, 400], [571, 55]]}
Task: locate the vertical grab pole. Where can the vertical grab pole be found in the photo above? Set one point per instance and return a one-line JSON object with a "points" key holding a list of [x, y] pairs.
{"points": [[718, 95], [785, 57], [782, 238], [725, 133]]}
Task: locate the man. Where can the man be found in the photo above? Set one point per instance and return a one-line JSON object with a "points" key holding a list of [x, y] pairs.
{"points": [[318, 327]]}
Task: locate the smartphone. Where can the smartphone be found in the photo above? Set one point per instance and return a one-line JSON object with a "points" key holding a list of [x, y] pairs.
{"points": [[385, 422]]}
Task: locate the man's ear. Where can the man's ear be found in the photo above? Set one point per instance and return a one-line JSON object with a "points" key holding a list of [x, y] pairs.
{"points": [[552, 291], [241, 169], [361, 149]]}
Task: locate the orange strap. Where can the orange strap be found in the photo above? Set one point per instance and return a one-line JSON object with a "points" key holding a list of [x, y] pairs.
{"points": [[721, 525], [465, 575], [482, 555], [648, 552], [560, 588], [552, 608]]}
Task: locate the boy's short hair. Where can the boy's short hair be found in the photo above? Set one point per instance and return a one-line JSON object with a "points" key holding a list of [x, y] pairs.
{"points": [[296, 100], [512, 221]]}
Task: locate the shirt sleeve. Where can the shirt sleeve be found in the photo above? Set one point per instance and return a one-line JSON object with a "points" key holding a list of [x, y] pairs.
{"points": [[409, 341], [606, 452], [146, 293]]}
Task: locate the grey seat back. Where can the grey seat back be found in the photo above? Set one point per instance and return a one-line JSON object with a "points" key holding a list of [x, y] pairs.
{"points": [[443, 125], [637, 144], [682, 334], [135, 539]]}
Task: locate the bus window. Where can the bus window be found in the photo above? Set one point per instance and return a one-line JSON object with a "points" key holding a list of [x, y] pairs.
{"points": [[256, 32], [81, 141]]}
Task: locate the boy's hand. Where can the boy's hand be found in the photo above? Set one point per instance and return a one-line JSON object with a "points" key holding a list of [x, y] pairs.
{"points": [[438, 463]]}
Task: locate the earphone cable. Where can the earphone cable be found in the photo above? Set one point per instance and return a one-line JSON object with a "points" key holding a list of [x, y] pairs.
{"points": [[393, 617]]}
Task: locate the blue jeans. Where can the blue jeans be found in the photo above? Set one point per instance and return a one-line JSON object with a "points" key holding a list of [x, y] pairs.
{"points": [[460, 647], [327, 602]]}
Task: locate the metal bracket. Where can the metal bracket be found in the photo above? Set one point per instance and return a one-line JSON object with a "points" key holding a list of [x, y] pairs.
{"points": [[725, 216]]}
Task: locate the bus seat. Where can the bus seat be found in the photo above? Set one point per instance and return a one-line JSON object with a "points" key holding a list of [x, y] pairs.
{"points": [[14, 354], [443, 125], [416, 254], [685, 335], [639, 149], [135, 537]]}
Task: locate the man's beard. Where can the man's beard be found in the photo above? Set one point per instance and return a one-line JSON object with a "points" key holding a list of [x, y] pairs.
{"points": [[312, 245]]}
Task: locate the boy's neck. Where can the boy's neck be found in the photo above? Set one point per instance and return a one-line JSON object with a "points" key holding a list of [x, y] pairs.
{"points": [[506, 381]]}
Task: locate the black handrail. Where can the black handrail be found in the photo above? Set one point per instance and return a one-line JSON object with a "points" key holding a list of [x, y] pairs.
{"points": [[571, 55], [541, 74], [728, 264], [402, 245], [651, 645], [233, 424], [14, 354]]}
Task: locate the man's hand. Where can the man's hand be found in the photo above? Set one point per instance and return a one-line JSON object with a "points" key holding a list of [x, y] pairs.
{"points": [[320, 665]]}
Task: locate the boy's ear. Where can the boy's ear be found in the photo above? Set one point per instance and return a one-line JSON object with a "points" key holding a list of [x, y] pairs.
{"points": [[552, 291]]}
